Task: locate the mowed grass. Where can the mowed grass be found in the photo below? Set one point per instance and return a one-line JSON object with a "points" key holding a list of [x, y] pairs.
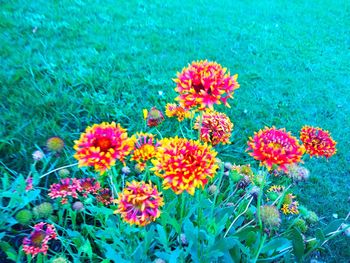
{"points": [[69, 64]]}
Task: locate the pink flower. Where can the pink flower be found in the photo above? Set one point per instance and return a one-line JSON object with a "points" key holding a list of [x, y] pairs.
{"points": [[38, 240]]}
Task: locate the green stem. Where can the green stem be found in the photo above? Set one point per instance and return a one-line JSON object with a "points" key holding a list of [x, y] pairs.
{"points": [[218, 189], [260, 248], [60, 168], [258, 212], [200, 125]]}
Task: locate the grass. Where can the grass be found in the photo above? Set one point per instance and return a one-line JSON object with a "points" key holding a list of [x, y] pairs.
{"points": [[69, 64]]}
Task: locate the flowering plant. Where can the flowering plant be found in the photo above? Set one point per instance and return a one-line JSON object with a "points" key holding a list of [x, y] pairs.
{"points": [[152, 198]]}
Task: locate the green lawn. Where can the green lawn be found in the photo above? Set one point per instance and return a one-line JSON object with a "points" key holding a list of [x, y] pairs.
{"points": [[69, 64]]}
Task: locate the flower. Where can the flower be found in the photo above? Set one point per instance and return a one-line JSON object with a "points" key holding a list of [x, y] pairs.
{"points": [[184, 164], [89, 186], [317, 142], [29, 184], [203, 84], [275, 148], [139, 203], [290, 206], [38, 155], [154, 117], [104, 196], [38, 240], [298, 173], [101, 145], [270, 216], [44, 210], [215, 127], [66, 187], [145, 149], [78, 206], [55, 144], [173, 110]]}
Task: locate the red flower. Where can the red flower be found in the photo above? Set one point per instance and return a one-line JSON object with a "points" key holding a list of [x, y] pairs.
{"points": [[101, 145], [154, 117], [38, 240], [139, 203], [104, 196], [317, 142], [184, 164], [89, 186], [275, 148], [66, 187], [203, 84], [216, 127]]}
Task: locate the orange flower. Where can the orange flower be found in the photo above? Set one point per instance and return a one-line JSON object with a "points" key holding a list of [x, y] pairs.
{"points": [[290, 206], [317, 142], [184, 164], [145, 149], [216, 127], [101, 145], [173, 110], [203, 84], [275, 148], [139, 203]]}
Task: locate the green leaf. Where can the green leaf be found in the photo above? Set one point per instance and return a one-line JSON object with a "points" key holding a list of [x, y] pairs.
{"points": [[277, 244], [333, 226], [9, 250], [320, 235], [86, 248], [110, 253], [298, 244], [162, 236]]}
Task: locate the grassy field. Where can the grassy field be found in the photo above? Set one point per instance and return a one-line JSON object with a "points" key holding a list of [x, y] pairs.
{"points": [[69, 64]]}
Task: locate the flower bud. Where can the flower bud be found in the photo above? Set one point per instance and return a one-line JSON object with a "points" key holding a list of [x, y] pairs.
{"points": [[154, 117], [38, 155], [78, 206], [43, 210], [63, 173], [125, 170], [55, 144], [270, 216], [24, 216]]}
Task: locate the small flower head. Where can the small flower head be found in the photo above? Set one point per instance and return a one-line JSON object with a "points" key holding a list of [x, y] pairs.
{"points": [[215, 128], [29, 183], [55, 144], [63, 173], [126, 170], [154, 117], [203, 84], [65, 188], [270, 216], [38, 240], [38, 155], [275, 148], [102, 145], [174, 110], [145, 149], [184, 164], [78, 206], [297, 172], [104, 196], [317, 142], [139, 203], [44, 210], [24, 216], [290, 206]]}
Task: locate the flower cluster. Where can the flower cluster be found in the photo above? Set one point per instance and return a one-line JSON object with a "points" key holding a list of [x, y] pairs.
{"points": [[215, 127], [139, 203], [101, 145], [145, 149], [203, 84], [184, 164], [104, 196], [38, 240], [73, 187], [317, 142], [174, 110], [275, 148]]}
